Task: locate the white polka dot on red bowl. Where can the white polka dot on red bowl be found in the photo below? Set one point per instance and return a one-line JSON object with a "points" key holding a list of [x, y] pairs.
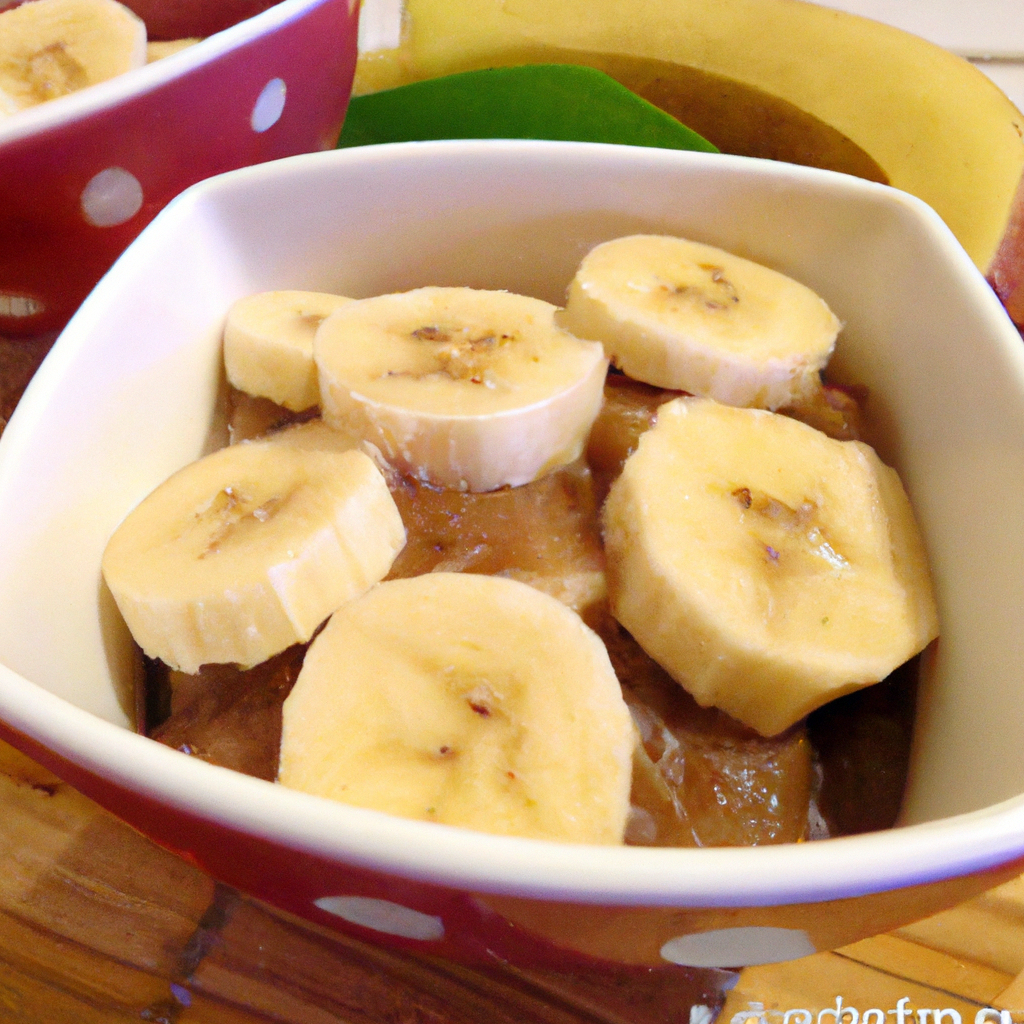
{"points": [[269, 105], [111, 197], [384, 916]]}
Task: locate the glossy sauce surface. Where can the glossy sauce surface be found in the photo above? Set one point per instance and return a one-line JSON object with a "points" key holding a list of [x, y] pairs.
{"points": [[700, 778]]}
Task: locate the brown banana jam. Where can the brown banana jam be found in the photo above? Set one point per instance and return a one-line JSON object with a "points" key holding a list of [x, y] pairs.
{"points": [[700, 778]]}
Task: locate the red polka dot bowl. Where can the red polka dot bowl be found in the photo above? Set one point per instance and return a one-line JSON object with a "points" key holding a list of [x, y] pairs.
{"points": [[82, 175], [130, 393]]}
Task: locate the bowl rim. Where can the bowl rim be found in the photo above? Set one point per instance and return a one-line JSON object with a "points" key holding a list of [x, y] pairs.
{"points": [[460, 858], [84, 103]]}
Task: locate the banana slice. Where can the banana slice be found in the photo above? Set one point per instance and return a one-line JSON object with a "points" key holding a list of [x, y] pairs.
{"points": [[765, 566], [315, 435], [268, 345], [247, 551], [468, 700], [679, 314], [459, 387], [49, 48], [161, 48]]}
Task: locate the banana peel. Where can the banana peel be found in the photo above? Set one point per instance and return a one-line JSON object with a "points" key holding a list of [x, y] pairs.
{"points": [[781, 79]]}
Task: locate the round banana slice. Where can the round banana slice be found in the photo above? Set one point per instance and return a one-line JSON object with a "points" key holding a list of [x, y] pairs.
{"points": [[161, 48], [459, 387], [765, 566], [268, 345], [247, 551], [468, 700], [679, 314], [314, 435], [49, 48]]}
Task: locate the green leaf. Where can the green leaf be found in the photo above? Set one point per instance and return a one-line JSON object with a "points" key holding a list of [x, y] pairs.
{"points": [[538, 101]]}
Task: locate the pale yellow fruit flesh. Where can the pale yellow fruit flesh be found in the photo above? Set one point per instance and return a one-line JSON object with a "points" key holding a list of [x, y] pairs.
{"points": [[687, 316], [314, 435], [268, 345], [460, 387], [247, 551], [167, 48], [49, 48], [765, 566], [936, 126], [466, 700]]}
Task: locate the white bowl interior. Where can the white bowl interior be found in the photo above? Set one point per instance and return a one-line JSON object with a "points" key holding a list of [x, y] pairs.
{"points": [[128, 394]]}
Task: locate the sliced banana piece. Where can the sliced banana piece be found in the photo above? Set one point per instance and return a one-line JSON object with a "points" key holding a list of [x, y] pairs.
{"points": [[683, 315], [161, 48], [765, 566], [460, 387], [49, 48], [268, 345], [315, 435], [469, 700], [247, 551]]}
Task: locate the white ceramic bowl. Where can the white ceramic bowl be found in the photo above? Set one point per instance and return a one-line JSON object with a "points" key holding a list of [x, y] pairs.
{"points": [[128, 395]]}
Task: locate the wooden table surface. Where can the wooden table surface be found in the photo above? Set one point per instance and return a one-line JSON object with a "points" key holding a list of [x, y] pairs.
{"points": [[98, 925]]}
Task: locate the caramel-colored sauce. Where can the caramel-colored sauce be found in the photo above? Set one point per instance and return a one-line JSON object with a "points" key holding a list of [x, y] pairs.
{"points": [[700, 778]]}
